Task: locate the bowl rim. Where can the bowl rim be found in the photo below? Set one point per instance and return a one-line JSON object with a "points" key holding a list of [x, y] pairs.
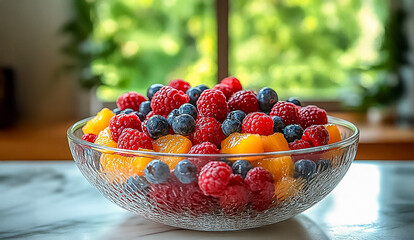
{"points": [[331, 120]]}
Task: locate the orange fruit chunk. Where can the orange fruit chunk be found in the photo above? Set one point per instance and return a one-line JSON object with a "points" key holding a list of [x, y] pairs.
{"points": [[280, 167], [99, 122], [172, 144], [238, 143], [288, 187], [104, 138], [275, 142], [334, 134]]}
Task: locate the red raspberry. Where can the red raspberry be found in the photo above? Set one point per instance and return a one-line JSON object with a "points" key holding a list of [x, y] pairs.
{"points": [[130, 100], [244, 100], [133, 139], [287, 111], [225, 89], [180, 84], [214, 177], [235, 196], [299, 144], [90, 137], [317, 135], [121, 121], [312, 115], [208, 129], [167, 99], [212, 103], [257, 123], [261, 185], [233, 83], [204, 148]]}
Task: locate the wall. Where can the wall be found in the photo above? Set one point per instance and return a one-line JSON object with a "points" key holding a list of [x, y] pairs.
{"points": [[29, 43]]}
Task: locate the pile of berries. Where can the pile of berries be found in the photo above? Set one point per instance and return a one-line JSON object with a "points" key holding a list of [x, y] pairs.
{"points": [[181, 119]]}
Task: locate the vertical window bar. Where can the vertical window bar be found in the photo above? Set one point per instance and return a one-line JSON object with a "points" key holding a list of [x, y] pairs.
{"points": [[222, 10]]}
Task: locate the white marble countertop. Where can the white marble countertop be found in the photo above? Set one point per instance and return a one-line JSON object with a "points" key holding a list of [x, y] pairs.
{"points": [[52, 200]]}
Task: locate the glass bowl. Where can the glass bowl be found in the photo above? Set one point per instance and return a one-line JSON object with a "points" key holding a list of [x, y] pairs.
{"points": [[118, 175]]}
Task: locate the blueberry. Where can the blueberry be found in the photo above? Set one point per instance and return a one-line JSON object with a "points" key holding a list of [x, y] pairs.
{"points": [[189, 109], [304, 168], [153, 89], [202, 87], [136, 184], [194, 94], [145, 107], [278, 124], [127, 111], [156, 172], [116, 111], [228, 162], [230, 126], [266, 97], [186, 172], [140, 115], [183, 124], [294, 101], [157, 126], [242, 167], [323, 165], [171, 116], [292, 132], [237, 114]]}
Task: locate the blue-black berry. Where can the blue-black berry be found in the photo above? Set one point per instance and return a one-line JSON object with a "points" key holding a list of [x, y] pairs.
{"points": [[266, 97], [237, 114], [136, 184], [127, 111], [294, 101], [183, 124], [145, 107], [228, 162], [157, 126], [242, 167], [116, 111], [140, 115], [230, 126], [194, 94], [153, 89], [202, 87], [170, 118], [186, 172], [156, 172], [278, 124], [323, 165], [305, 168], [292, 132], [189, 109]]}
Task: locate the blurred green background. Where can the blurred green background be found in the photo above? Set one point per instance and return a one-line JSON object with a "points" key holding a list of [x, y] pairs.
{"points": [[300, 48]]}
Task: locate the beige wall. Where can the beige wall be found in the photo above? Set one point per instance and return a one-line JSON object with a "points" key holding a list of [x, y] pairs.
{"points": [[29, 43]]}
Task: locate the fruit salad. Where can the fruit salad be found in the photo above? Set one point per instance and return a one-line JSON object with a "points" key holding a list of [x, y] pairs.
{"points": [[208, 124]]}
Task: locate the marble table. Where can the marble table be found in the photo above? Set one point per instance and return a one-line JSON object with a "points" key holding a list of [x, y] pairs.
{"points": [[52, 200]]}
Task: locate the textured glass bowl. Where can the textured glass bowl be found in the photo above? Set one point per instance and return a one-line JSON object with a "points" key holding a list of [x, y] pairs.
{"points": [[292, 199]]}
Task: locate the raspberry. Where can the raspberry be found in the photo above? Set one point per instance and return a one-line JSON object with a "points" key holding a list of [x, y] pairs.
{"points": [[225, 89], [133, 139], [317, 135], [299, 144], [233, 83], [212, 103], [167, 99], [312, 115], [207, 129], [130, 100], [90, 137], [180, 84], [121, 121], [287, 111], [258, 123], [235, 196], [204, 148], [214, 177], [244, 100], [261, 184]]}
